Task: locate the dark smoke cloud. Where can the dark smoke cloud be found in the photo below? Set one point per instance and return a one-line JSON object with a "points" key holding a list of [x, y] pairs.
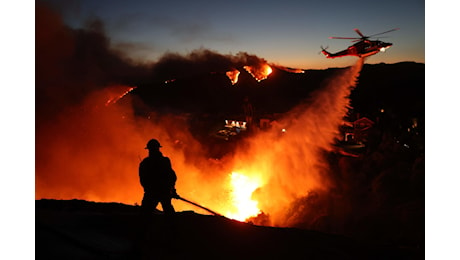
{"points": [[89, 152], [71, 63], [77, 135], [201, 61]]}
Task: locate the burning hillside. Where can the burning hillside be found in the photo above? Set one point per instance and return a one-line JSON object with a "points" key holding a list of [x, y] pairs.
{"points": [[98, 148], [203, 61], [88, 140], [92, 126]]}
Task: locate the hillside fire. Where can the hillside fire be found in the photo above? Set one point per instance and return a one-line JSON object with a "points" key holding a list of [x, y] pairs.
{"points": [[278, 161], [233, 76], [114, 96], [259, 72], [98, 151]]}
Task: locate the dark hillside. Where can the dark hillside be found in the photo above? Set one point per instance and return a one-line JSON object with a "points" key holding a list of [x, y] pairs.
{"points": [[398, 87], [86, 230]]}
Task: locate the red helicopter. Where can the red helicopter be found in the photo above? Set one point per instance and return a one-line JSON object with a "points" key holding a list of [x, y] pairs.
{"points": [[363, 46]]}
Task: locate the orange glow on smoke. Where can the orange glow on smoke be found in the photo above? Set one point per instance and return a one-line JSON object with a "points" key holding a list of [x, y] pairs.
{"points": [[259, 72], [92, 152], [242, 188]]}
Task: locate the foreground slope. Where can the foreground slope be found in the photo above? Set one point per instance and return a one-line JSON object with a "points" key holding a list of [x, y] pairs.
{"points": [[78, 229]]}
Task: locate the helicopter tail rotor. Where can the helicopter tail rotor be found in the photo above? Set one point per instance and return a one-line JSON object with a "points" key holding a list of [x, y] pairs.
{"points": [[323, 49]]}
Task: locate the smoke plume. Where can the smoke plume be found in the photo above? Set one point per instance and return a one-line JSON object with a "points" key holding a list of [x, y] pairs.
{"points": [[201, 61], [90, 140], [70, 63], [88, 150]]}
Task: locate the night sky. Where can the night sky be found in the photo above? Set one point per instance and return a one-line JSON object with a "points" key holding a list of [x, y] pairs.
{"points": [[288, 33]]}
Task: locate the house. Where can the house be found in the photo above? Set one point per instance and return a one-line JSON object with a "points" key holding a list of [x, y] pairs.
{"points": [[357, 131]]}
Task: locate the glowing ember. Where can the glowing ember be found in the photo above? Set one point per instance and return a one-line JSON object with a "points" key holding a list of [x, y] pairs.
{"points": [[233, 76], [260, 72], [291, 70], [243, 187], [114, 96]]}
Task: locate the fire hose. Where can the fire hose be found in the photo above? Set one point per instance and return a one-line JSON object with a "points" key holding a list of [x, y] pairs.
{"points": [[176, 196]]}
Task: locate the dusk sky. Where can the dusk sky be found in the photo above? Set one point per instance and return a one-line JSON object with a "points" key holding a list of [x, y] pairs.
{"points": [[287, 33]]}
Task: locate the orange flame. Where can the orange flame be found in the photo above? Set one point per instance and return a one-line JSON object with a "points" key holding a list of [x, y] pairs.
{"points": [[93, 154], [260, 72], [233, 76], [241, 197]]}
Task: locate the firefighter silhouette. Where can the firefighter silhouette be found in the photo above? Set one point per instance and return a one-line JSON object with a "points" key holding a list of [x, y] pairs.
{"points": [[158, 180]]}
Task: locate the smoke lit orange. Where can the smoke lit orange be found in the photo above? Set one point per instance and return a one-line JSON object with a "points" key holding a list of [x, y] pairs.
{"points": [[92, 152]]}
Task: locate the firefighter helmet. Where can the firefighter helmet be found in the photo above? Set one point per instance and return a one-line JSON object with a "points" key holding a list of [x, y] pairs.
{"points": [[153, 144]]}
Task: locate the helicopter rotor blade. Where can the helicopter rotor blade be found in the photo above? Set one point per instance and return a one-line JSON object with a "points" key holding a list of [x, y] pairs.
{"points": [[384, 32], [363, 37], [359, 32], [345, 38]]}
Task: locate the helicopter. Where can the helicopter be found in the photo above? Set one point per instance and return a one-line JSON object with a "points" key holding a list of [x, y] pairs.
{"points": [[363, 46]]}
